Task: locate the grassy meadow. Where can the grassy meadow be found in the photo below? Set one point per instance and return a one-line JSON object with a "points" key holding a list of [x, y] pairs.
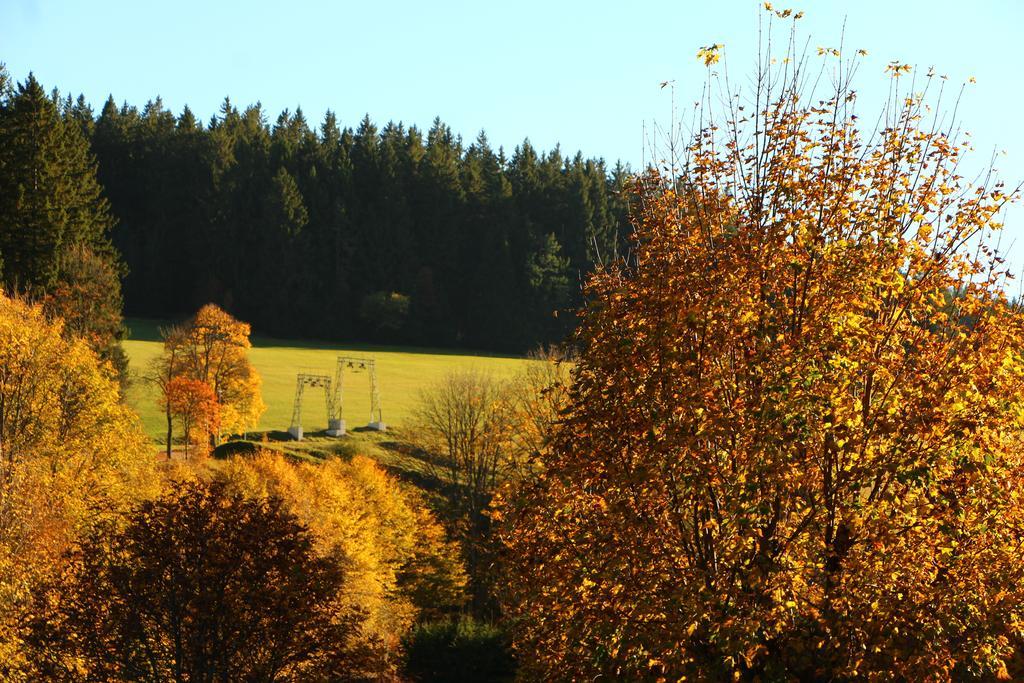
{"points": [[401, 374]]}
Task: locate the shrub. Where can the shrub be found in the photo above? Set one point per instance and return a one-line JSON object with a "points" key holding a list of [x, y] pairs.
{"points": [[457, 650], [230, 449], [385, 312]]}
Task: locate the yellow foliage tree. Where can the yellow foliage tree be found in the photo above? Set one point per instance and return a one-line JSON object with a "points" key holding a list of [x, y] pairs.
{"points": [[794, 448], [399, 566], [215, 351], [71, 454]]}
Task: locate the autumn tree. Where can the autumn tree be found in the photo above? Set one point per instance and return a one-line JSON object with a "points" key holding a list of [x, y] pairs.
{"points": [[793, 443], [400, 566], [463, 424], [87, 297], [200, 585], [165, 368], [536, 397], [71, 456], [471, 432], [461, 438], [215, 351], [195, 405]]}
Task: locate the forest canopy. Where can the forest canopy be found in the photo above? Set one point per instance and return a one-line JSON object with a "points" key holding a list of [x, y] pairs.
{"points": [[385, 234]]}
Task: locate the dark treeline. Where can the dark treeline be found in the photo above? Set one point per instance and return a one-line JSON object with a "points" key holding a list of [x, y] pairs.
{"points": [[387, 235], [55, 222]]}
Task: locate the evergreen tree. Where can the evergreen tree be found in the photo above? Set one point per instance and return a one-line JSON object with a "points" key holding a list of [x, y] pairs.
{"points": [[547, 274], [51, 199], [54, 218]]}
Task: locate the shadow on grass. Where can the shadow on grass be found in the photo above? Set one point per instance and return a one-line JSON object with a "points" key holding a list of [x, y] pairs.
{"points": [[277, 435], [142, 329], [147, 329], [411, 465], [315, 446], [396, 456]]}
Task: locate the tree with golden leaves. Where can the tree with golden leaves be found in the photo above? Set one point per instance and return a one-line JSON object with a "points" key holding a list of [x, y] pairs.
{"points": [[213, 347], [72, 456], [793, 448], [399, 566]]}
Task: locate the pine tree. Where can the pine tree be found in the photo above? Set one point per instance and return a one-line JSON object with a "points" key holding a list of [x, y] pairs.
{"points": [[52, 199], [79, 112], [547, 274], [489, 307], [54, 218]]}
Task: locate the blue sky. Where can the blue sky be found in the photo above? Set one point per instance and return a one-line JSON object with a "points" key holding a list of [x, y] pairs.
{"points": [[585, 74]]}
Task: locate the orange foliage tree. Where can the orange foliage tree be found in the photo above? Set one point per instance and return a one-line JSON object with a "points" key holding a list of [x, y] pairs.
{"points": [[793, 443], [195, 405], [217, 354], [163, 370], [213, 348]]}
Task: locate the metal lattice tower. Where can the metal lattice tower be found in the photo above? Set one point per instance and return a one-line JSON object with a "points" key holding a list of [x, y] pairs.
{"points": [[357, 363], [313, 380]]}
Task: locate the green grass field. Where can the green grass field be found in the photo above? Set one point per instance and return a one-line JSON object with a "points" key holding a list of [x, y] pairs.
{"points": [[402, 373]]}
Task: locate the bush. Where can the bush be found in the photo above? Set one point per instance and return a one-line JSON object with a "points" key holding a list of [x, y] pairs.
{"points": [[458, 650], [229, 449], [385, 312]]}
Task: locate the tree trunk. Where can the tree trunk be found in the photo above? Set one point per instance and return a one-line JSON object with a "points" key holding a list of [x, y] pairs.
{"points": [[170, 434]]}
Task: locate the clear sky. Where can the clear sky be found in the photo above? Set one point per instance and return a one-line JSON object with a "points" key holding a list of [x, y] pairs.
{"points": [[583, 74]]}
